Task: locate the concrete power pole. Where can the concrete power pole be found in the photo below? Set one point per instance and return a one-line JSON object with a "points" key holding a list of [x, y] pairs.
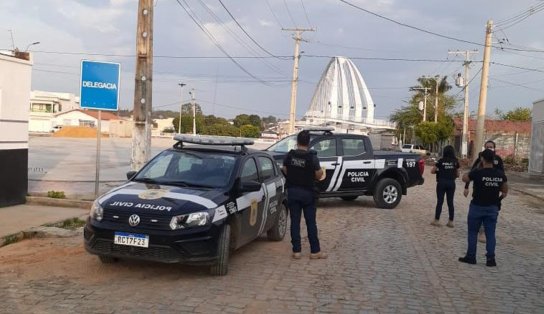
{"points": [[192, 92], [141, 138], [297, 37], [464, 136], [436, 99], [480, 125]]}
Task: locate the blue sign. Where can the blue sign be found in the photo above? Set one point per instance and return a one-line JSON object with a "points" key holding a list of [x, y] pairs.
{"points": [[100, 85]]}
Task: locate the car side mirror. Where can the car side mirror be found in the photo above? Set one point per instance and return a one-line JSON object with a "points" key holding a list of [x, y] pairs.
{"points": [[250, 186], [131, 174]]}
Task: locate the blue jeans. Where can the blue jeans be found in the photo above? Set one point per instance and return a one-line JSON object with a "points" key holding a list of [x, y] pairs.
{"points": [[302, 200], [444, 187], [478, 215]]}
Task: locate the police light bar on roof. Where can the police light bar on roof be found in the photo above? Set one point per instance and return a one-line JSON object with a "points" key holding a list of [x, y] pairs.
{"points": [[319, 128], [213, 140]]}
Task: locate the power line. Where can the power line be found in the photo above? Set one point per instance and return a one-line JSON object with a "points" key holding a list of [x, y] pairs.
{"points": [[507, 23], [273, 14], [243, 30], [289, 13], [306, 13], [237, 38], [214, 40], [519, 85], [517, 67], [434, 33]]}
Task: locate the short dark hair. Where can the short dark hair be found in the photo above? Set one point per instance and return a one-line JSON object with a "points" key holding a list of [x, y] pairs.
{"points": [[448, 152], [488, 155], [303, 138], [490, 142]]}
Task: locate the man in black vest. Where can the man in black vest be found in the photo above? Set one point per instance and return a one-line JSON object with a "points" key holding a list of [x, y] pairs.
{"points": [[489, 189], [301, 168]]}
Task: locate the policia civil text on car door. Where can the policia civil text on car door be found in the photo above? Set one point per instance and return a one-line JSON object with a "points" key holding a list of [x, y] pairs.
{"points": [[301, 167]]}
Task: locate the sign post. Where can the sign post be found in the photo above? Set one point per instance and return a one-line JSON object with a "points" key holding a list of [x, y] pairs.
{"points": [[99, 91]]}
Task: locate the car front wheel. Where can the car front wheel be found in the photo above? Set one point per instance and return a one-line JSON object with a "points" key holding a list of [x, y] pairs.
{"points": [[388, 193], [223, 250]]}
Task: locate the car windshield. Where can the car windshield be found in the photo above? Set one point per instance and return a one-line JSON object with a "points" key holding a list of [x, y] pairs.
{"points": [[188, 169], [286, 144]]}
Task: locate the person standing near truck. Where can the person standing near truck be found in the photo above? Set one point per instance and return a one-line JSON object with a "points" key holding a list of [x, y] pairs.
{"points": [[446, 170], [490, 187], [301, 168]]}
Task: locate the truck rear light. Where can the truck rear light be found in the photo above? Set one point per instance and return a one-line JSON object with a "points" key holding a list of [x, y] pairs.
{"points": [[421, 166]]}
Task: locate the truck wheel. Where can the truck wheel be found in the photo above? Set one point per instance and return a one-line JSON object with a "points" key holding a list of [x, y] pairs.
{"points": [[388, 193], [277, 232], [349, 198], [223, 250], [107, 259]]}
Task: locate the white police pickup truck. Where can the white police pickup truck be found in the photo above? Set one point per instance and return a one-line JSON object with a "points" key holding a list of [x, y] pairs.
{"points": [[353, 168], [192, 203]]}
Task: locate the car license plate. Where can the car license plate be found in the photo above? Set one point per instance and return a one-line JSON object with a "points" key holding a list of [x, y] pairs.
{"points": [[131, 239]]}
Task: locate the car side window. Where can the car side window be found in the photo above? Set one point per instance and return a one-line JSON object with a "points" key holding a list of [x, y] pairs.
{"points": [[249, 171], [325, 148], [353, 146], [266, 168]]}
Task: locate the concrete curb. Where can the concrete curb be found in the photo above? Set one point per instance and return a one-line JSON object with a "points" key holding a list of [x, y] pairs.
{"points": [[59, 202], [540, 197], [42, 232]]}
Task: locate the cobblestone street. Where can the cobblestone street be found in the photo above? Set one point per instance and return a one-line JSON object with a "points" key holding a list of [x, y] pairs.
{"points": [[379, 261]]}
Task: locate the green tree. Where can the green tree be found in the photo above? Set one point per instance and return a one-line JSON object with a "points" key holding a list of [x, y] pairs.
{"points": [[241, 119], [249, 130], [188, 109], [222, 130], [516, 114]]}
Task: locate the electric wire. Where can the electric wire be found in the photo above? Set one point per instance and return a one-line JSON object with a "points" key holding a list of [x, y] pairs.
{"points": [[245, 32], [214, 40], [289, 13], [273, 14], [238, 39], [306, 13]]}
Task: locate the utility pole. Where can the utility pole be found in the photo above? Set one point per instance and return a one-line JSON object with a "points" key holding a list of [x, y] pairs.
{"points": [[464, 85], [298, 38], [480, 125], [192, 92], [180, 107], [435, 99], [141, 138], [425, 93]]}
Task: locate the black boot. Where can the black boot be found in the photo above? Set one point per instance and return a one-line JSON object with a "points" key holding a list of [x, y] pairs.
{"points": [[491, 262], [467, 260]]}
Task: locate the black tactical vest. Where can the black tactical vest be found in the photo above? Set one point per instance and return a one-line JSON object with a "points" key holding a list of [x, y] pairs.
{"points": [[300, 168]]}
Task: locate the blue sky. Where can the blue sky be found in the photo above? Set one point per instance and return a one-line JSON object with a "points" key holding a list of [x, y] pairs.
{"points": [[107, 28]]}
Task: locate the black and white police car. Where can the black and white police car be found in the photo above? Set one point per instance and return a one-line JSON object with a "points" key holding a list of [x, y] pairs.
{"points": [[192, 204]]}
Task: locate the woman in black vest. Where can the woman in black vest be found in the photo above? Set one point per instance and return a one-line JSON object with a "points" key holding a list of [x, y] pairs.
{"points": [[447, 170]]}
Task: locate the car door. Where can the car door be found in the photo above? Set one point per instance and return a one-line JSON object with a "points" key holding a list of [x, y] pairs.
{"points": [[358, 165], [327, 153], [273, 186], [250, 204]]}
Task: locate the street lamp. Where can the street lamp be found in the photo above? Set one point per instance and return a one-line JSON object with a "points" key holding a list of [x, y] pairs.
{"points": [[32, 44], [180, 107]]}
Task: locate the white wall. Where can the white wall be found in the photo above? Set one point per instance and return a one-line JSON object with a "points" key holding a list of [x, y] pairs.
{"points": [[15, 80]]}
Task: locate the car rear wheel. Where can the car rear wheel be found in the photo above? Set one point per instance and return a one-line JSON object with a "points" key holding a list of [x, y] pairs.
{"points": [[108, 259], [223, 250], [388, 193], [277, 232], [349, 198]]}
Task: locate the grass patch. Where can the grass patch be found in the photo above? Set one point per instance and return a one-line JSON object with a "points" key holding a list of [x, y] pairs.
{"points": [[56, 194], [10, 239], [70, 224]]}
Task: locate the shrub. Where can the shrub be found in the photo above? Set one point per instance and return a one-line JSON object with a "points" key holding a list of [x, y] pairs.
{"points": [[56, 194]]}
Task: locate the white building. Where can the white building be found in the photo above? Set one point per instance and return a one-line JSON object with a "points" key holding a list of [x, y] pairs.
{"points": [[15, 80], [536, 154], [87, 118], [44, 106]]}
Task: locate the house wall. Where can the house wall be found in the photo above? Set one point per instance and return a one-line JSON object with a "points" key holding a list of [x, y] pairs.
{"points": [[76, 118], [536, 159], [15, 80]]}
